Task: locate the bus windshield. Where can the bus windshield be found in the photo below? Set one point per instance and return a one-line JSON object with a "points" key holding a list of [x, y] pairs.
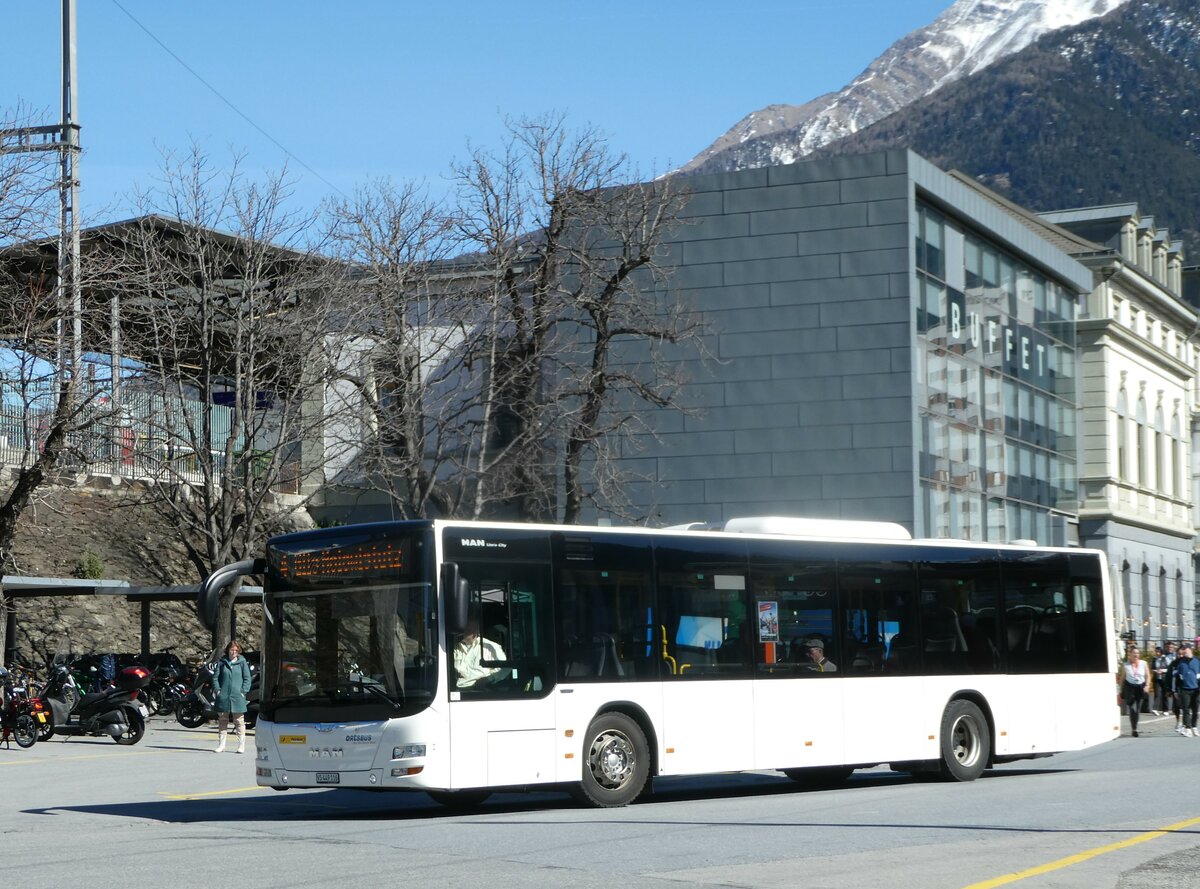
{"points": [[351, 638]]}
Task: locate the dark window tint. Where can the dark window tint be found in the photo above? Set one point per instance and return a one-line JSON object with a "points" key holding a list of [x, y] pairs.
{"points": [[959, 625], [606, 627], [1088, 618], [704, 622], [879, 613], [1038, 597], [795, 631]]}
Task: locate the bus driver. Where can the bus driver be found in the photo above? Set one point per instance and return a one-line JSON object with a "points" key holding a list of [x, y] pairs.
{"points": [[470, 653]]}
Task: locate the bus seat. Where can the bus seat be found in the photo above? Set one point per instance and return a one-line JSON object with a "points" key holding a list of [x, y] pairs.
{"points": [[608, 662], [1050, 634], [1019, 630], [693, 660], [868, 659], [577, 661], [943, 631]]}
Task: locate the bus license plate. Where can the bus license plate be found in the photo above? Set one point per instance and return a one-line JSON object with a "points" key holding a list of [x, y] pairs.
{"points": [[328, 778]]}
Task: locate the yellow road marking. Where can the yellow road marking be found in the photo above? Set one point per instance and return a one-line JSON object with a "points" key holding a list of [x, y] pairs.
{"points": [[34, 759], [1084, 856], [210, 793]]}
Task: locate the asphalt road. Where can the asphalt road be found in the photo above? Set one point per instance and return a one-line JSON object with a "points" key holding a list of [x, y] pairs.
{"points": [[170, 812]]}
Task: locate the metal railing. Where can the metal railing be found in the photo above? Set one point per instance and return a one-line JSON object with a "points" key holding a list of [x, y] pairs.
{"points": [[148, 436]]}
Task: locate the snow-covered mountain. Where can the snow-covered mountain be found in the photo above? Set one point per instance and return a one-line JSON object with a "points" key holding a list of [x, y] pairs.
{"points": [[967, 37]]}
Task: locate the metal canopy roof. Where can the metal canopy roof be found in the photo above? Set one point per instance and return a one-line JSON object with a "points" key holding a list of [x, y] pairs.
{"points": [[35, 587]]}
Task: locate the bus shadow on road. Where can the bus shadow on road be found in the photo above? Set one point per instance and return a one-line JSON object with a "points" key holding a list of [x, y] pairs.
{"points": [[331, 805], [348, 805]]}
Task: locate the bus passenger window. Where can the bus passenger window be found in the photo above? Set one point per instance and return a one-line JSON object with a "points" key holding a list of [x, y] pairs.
{"points": [[879, 612], [795, 601], [606, 630], [704, 621], [958, 614]]}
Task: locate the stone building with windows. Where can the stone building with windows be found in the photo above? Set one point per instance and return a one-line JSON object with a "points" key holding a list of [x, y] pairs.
{"points": [[1138, 373], [894, 342], [889, 344]]}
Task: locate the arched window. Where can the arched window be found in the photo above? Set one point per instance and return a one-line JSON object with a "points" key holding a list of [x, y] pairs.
{"points": [[1122, 436], [1127, 596], [1164, 607], [1162, 456], [1179, 465], [1144, 610], [1143, 471], [1175, 622]]}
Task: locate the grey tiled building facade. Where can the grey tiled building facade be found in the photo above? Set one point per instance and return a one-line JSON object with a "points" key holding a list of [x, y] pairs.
{"points": [[885, 344]]}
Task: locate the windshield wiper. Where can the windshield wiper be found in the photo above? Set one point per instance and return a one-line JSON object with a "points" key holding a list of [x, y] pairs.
{"points": [[368, 685]]}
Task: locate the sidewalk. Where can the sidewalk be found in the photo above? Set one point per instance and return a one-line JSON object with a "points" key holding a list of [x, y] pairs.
{"points": [[1150, 726]]}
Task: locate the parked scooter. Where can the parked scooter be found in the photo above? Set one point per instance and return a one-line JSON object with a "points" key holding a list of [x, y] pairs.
{"points": [[113, 711]]}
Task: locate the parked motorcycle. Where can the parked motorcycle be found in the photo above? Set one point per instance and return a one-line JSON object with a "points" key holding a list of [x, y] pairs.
{"points": [[165, 691], [16, 712], [114, 711]]}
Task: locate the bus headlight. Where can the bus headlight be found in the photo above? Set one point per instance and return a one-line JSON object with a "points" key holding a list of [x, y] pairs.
{"points": [[263, 773], [408, 751]]}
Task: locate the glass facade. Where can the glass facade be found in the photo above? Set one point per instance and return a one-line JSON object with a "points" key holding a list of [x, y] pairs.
{"points": [[997, 403]]}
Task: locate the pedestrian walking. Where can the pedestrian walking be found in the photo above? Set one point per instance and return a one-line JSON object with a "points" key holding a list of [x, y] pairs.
{"points": [[1133, 689], [1186, 679], [231, 682], [1161, 668]]}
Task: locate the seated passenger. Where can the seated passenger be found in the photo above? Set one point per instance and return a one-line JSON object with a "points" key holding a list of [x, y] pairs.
{"points": [[817, 662], [469, 655]]}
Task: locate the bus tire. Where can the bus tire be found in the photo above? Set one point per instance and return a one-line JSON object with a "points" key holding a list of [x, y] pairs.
{"points": [[966, 741], [820, 776], [459, 800], [616, 765]]}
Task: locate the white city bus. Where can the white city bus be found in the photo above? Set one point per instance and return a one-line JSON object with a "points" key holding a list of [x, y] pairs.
{"points": [[610, 656]]}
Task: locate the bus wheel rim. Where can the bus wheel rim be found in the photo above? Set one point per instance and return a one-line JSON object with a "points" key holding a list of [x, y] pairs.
{"points": [[612, 759], [965, 741]]}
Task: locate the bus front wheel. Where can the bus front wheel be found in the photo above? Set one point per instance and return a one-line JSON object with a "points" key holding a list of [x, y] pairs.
{"points": [[966, 741], [617, 762]]}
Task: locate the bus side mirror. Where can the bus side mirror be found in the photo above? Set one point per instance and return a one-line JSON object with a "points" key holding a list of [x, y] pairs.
{"points": [[458, 595]]}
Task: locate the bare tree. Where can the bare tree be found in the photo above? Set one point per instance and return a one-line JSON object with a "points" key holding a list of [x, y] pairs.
{"points": [[569, 248], [226, 317], [51, 406], [399, 347]]}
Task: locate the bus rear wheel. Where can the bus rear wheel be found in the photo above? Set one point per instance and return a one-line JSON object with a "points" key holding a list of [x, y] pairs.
{"points": [[966, 742], [616, 764]]}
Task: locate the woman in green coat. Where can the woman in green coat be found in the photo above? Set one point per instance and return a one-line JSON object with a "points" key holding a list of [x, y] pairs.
{"points": [[231, 682]]}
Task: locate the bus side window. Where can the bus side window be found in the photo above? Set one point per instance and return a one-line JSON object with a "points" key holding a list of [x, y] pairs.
{"points": [[1037, 623], [705, 619], [606, 630], [794, 599], [958, 624], [879, 612]]}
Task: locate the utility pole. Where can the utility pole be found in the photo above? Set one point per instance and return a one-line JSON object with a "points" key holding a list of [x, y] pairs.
{"points": [[68, 231], [63, 138]]}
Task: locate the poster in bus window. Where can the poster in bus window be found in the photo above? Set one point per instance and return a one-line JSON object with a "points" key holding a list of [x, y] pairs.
{"points": [[768, 621]]}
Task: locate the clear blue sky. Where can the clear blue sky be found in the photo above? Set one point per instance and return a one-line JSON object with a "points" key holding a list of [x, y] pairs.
{"points": [[370, 88]]}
